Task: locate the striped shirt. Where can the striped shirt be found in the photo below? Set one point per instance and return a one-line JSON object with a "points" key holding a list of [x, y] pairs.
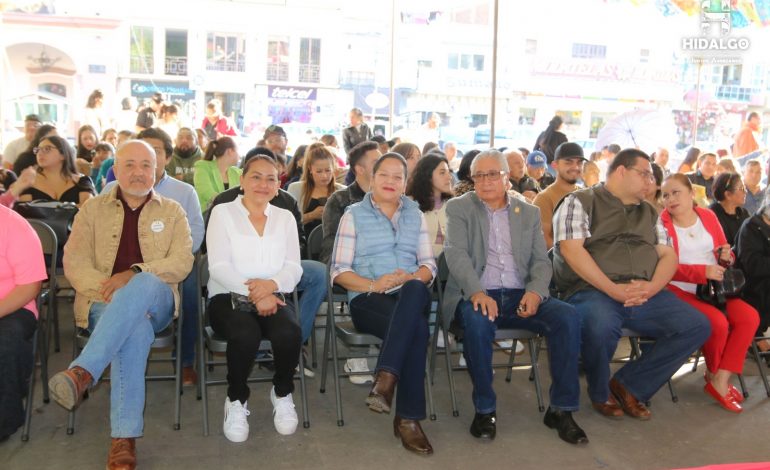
{"points": [[571, 222]]}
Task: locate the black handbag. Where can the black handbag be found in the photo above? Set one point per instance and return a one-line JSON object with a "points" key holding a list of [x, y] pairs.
{"points": [[717, 292], [57, 215]]}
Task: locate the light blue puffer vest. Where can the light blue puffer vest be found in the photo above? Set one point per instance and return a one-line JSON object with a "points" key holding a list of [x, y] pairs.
{"points": [[380, 249]]}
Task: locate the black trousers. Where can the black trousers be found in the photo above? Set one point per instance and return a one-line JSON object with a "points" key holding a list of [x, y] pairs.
{"points": [[16, 362], [244, 331]]}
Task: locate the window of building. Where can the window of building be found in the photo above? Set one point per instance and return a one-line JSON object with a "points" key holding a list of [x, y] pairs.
{"points": [[644, 56], [731, 74], [278, 59], [141, 50], [176, 52], [588, 51], [530, 46], [310, 60], [226, 52], [457, 61]]}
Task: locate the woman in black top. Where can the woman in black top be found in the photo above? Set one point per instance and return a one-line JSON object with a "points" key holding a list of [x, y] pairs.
{"points": [[551, 138], [58, 180], [87, 140], [730, 195]]}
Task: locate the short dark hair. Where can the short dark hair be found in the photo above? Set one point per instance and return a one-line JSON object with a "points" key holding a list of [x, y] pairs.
{"points": [[627, 159], [357, 152], [105, 147], [379, 139], [160, 134], [390, 156], [726, 181], [32, 117], [613, 148], [753, 115], [464, 171]]}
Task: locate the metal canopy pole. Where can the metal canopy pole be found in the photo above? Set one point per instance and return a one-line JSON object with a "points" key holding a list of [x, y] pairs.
{"points": [[494, 77]]}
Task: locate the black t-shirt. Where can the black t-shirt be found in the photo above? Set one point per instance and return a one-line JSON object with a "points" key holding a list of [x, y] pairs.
{"points": [[731, 223], [146, 118]]}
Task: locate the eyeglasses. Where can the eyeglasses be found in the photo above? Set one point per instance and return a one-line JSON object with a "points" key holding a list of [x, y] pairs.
{"points": [[43, 150], [491, 176], [644, 173]]}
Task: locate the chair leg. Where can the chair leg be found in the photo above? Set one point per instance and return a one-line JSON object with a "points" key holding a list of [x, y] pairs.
{"points": [[429, 387], [511, 360], [30, 388], [674, 396], [303, 391], [761, 365], [178, 376], [533, 357], [335, 368], [55, 309], [71, 414], [697, 360], [203, 371], [325, 355], [450, 374], [42, 352], [743, 386]]}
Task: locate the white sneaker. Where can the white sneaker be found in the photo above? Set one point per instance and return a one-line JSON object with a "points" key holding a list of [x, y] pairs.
{"points": [[508, 343], [236, 427], [358, 364], [284, 415], [462, 362], [440, 342]]}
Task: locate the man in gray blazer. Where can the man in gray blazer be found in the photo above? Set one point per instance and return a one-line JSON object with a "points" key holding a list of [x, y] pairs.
{"points": [[499, 277]]}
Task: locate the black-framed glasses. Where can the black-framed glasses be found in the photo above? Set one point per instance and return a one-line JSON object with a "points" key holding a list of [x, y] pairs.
{"points": [[43, 150], [650, 176]]}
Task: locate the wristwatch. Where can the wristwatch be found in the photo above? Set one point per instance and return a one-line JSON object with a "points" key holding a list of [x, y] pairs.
{"points": [[136, 269]]}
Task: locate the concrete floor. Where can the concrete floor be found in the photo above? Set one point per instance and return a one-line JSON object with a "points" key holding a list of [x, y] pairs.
{"points": [[692, 432]]}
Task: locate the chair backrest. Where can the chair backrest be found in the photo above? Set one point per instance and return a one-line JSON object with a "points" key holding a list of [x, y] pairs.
{"points": [[443, 268], [203, 270], [49, 242], [314, 241]]}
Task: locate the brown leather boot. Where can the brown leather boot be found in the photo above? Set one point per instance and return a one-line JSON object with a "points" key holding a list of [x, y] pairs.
{"points": [[381, 395], [122, 454], [68, 386], [412, 436]]}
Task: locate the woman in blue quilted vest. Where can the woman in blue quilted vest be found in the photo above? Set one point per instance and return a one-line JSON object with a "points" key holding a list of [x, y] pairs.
{"points": [[383, 256]]}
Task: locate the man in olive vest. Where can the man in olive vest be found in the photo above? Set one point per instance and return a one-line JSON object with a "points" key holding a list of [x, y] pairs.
{"points": [[612, 261]]}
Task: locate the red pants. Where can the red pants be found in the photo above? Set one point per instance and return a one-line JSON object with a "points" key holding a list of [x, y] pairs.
{"points": [[731, 334]]}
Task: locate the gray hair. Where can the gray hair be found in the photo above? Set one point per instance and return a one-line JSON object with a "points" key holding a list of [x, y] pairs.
{"points": [[492, 154], [357, 111]]}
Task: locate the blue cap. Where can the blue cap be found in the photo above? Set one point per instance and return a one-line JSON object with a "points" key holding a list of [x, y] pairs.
{"points": [[537, 159]]}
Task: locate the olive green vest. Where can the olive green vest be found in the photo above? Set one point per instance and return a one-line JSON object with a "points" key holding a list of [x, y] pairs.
{"points": [[622, 241]]}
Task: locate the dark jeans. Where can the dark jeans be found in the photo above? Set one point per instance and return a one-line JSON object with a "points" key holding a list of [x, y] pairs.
{"points": [[244, 331], [401, 321], [16, 330], [190, 307], [555, 320], [678, 329]]}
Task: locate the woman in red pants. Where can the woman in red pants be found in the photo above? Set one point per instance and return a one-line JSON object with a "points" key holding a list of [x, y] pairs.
{"points": [[698, 238]]}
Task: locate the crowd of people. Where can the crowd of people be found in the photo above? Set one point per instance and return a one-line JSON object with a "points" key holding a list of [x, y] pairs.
{"points": [[571, 248]]}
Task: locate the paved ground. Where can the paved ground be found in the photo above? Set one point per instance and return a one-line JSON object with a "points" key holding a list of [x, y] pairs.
{"points": [[692, 432]]}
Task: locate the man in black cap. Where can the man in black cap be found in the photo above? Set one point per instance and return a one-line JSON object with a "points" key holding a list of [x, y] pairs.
{"points": [[568, 163], [149, 115]]}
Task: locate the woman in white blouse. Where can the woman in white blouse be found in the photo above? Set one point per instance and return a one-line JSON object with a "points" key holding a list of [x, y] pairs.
{"points": [[254, 263]]}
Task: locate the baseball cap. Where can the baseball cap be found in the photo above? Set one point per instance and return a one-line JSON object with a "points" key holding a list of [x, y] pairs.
{"points": [[537, 159], [274, 130], [569, 150]]}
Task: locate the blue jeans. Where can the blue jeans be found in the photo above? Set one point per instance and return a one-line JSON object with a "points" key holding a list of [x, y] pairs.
{"points": [[678, 330], [190, 307], [312, 286], [401, 320], [555, 320], [121, 334]]}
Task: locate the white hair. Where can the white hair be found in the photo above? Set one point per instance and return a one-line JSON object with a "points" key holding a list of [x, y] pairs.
{"points": [[492, 154]]}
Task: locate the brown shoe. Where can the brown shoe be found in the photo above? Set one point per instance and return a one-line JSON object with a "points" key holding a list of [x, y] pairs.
{"points": [[610, 408], [189, 376], [122, 454], [628, 402], [68, 386], [381, 395], [412, 436]]}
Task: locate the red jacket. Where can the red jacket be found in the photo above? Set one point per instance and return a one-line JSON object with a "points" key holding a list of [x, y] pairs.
{"points": [[223, 126], [695, 273]]}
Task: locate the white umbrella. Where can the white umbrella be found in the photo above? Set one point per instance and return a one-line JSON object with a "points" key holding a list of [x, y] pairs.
{"points": [[643, 129]]}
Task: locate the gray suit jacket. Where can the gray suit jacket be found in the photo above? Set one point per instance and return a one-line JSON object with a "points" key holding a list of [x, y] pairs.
{"points": [[466, 248]]}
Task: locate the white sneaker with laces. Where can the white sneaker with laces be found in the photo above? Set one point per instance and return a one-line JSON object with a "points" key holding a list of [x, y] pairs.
{"points": [[284, 415], [236, 426], [358, 364]]}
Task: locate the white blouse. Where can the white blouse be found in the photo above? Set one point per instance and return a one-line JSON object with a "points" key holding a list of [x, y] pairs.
{"points": [[696, 246], [237, 253]]}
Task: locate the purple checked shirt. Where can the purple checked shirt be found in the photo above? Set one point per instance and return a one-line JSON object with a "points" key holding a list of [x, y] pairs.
{"points": [[500, 271]]}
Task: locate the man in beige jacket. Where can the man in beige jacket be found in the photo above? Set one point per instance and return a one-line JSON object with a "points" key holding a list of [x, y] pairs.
{"points": [[128, 250]]}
